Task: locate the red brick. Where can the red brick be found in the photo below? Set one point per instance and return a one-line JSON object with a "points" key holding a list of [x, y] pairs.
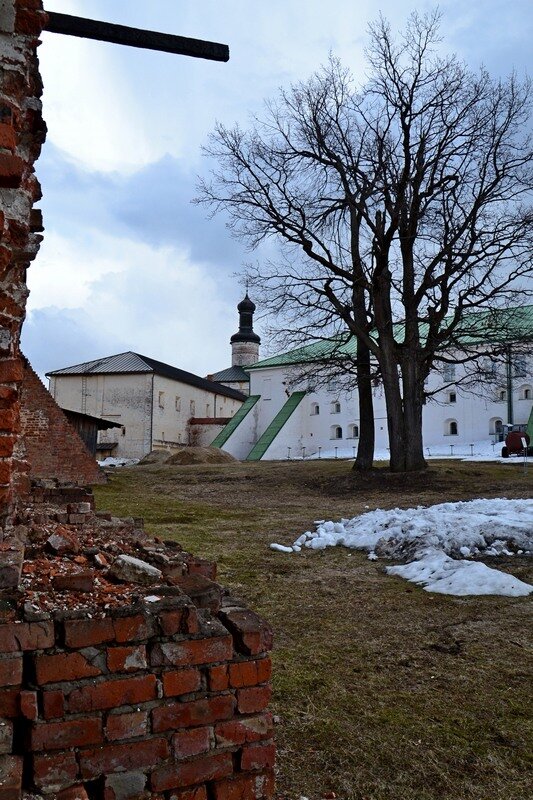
{"points": [[75, 582], [112, 694], [246, 729], [126, 726], [55, 771], [86, 632], [197, 712], [203, 592], [206, 768], [63, 667], [182, 620], [70, 733], [196, 651], [251, 633], [11, 670], [191, 743], [122, 757], [9, 703], [253, 699], [16, 636], [219, 678], [182, 681], [10, 777], [7, 137], [53, 704], [128, 629], [6, 446], [249, 673], [28, 705], [258, 756], [201, 566], [11, 171], [126, 659], [245, 787], [29, 23]]}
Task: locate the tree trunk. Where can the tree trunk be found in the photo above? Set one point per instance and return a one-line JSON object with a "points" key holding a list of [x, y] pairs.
{"points": [[394, 405], [365, 449], [413, 394]]}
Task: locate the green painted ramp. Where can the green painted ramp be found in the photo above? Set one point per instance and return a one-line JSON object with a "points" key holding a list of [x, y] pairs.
{"points": [[529, 429], [264, 442], [235, 421]]}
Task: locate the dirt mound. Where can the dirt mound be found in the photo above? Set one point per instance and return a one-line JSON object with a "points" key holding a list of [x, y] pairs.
{"points": [[199, 455], [188, 455]]}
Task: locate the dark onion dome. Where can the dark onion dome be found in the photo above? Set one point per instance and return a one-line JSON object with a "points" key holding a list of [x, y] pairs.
{"points": [[246, 320], [246, 305]]}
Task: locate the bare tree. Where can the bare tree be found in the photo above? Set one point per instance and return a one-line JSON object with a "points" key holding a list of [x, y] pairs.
{"points": [[402, 206]]}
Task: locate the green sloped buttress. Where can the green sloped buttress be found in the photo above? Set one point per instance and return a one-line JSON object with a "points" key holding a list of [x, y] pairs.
{"points": [[223, 436], [264, 441]]}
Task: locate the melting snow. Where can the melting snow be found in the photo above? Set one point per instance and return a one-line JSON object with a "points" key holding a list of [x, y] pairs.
{"points": [[436, 541]]}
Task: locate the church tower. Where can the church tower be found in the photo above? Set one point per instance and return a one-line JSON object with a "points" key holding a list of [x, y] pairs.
{"points": [[245, 343]]}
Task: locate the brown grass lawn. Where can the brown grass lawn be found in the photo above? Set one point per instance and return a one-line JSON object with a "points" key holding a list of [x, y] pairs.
{"points": [[383, 691]]}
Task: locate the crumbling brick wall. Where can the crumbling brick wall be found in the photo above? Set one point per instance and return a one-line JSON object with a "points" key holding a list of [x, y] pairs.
{"points": [[113, 690], [22, 132], [52, 446]]}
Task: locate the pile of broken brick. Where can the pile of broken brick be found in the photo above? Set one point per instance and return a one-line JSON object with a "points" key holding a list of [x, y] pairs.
{"points": [[65, 557]]}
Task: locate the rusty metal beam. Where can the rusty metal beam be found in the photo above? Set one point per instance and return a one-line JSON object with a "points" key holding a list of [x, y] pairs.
{"points": [[135, 37]]}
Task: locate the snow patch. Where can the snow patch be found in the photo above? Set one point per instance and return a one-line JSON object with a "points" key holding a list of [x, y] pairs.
{"points": [[436, 541]]}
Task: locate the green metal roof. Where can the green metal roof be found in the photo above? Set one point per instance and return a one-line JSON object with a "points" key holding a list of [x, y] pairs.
{"points": [[235, 421], [497, 325], [264, 441]]}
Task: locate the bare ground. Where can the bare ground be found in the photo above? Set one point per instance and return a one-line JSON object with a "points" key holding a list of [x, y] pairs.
{"points": [[383, 691]]}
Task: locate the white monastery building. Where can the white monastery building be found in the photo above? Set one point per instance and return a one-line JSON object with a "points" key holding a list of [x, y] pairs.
{"points": [[284, 417], [156, 405]]}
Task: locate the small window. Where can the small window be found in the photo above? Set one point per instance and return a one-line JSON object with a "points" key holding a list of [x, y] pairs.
{"points": [[502, 395], [192, 408], [336, 432], [315, 409], [123, 430], [453, 428], [161, 400], [353, 431], [525, 393], [178, 403], [336, 407], [452, 397]]}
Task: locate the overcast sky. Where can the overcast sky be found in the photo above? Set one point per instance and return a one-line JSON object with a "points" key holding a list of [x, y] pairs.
{"points": [[127, 263]]}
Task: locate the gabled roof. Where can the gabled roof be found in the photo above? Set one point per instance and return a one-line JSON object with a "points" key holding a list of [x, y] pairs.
{"points": [[134, 363], [230, 375], [499, 325]]}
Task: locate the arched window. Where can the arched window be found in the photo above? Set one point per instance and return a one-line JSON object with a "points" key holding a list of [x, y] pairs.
{"points": [[353, 431], [335, 407], [453, 428], [336, 432], [502, 395], [525, 393], [452, 397], [315, 409]]}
